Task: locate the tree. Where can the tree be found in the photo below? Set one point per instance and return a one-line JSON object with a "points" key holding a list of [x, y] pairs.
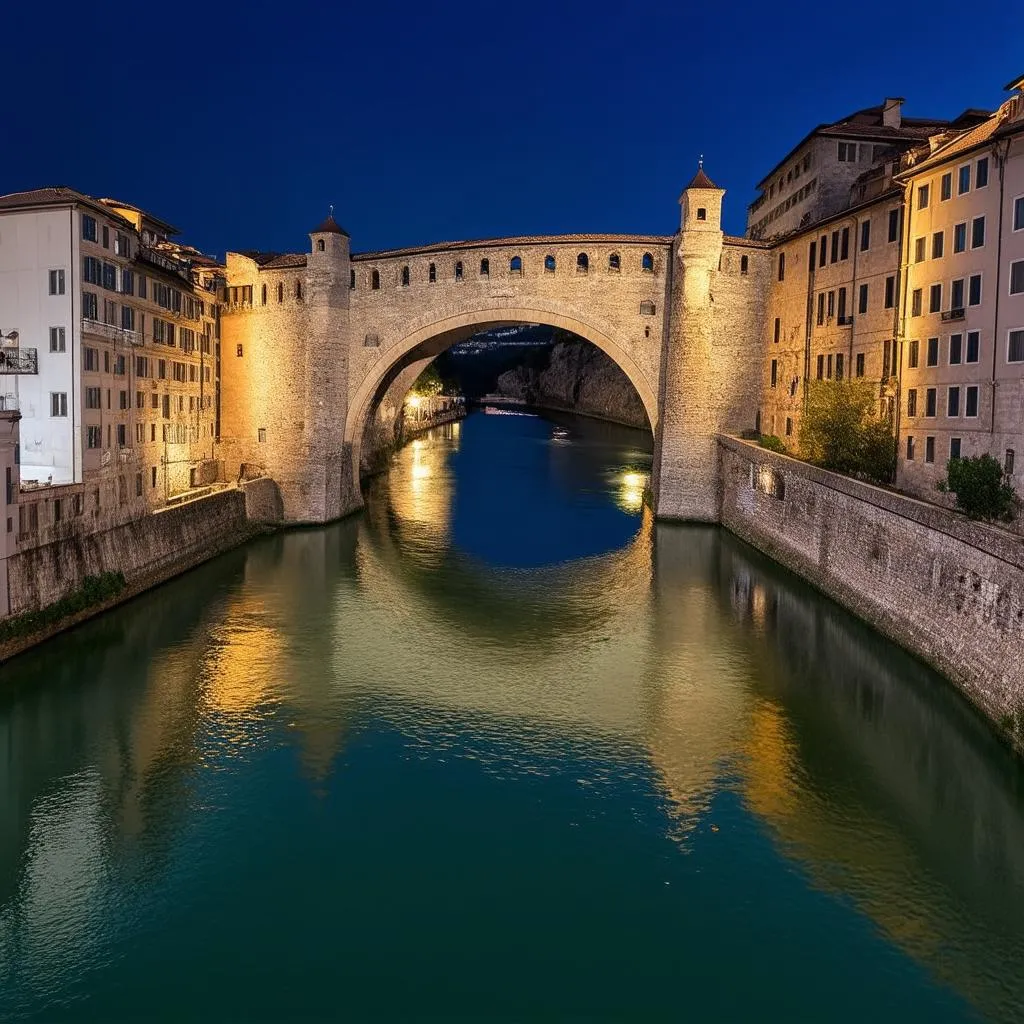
{"points": [[842, 430], [980, 488], [428, 383]]}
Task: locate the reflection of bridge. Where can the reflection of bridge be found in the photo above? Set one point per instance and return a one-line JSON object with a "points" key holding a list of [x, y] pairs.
{"points": [[320, 339]]}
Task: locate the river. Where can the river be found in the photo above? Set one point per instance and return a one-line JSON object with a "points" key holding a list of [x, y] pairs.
{"points": [[501, 747]]}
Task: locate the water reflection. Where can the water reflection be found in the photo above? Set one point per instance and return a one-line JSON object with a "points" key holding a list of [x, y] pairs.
{"points": [[144, 752]]}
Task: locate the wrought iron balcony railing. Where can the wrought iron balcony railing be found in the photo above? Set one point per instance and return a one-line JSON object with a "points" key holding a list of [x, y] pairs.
{"points": [[18, 360], [953, 314], [111, 331]]}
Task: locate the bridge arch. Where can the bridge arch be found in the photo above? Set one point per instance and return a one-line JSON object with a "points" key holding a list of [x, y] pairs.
{"points": [[431, 339]]}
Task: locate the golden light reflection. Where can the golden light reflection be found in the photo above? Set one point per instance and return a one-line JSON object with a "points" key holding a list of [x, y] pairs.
{"points": [[630, 497]]}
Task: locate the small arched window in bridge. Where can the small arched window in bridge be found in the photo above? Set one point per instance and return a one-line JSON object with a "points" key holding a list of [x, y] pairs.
{"points": [[515, 265], [582, 263], [320, 245], [405, 277], [647, 263], [375, 280], [485, 268], [432, 273], [614, 263], [458, 270], [549, 264]]}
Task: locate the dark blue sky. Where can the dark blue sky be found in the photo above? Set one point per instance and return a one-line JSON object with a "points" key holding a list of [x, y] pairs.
{"points": [[430, 121]]}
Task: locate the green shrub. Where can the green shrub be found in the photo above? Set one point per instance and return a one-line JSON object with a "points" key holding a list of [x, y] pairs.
{"points": [[94, 590], [842, 430], [773, 443], [981, 490]]}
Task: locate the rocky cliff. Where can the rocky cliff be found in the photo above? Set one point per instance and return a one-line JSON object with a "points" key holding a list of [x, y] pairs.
{"points": [[578, 378]]}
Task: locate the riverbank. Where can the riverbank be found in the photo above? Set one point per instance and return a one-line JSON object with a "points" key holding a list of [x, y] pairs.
{"points": [[948, 590]]}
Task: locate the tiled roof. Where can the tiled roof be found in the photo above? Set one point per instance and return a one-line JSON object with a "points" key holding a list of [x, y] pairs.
{"points": [[55, 195], [330, 226], [993, 127], [521, 240], [700, 179], [275, 260]]}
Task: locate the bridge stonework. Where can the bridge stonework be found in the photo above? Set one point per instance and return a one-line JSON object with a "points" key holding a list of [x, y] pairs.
{"points": [[312, 344]]}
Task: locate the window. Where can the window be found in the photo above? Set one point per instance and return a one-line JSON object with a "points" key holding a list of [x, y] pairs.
{"points": [[822, 250], [90, 306], [890, 292], [894, 225], [106, 237], [582, 263], [745, 264], [930, 401], [647, 308], [57, 339], [913, 353], [280, 291], [56, 282], [929, 449], [860, 364], [238, 353], [142, 287], [58, 403], [647, 263], [831, 304], [778, 330], [1015, 347], [263, 295], [821, 308], [844, 244], [956, 347], [90, 359], [88, 228], [405, 277], [485, 267], [974, 290], [841, 311], [702, 214], [431, 274], [828, 368], [1018, 214], [938, 239], [549, 264], [352, 278], [835, 247], [848, 152], [261, 435], [971, 404], [865, 236], [821, 367], [320, 245], [932, 356], [1008, 463], [981, 173], [789, 426], [862, 299], [912, 401], [614, 263], [92, 398], [1017, 277], [919, 250], [910, 449], [954, 447], [923, 195], [963, 180], [94, 437], [973, 346], [977, 232], [888, 354], [946, 186], [956, 294], [375, 280], [515, 265], [960, 237], [935, 298], [128, 318], [839, 366], [811, 254], [915, 302], [953, 401], [122, 435], [775, 372], [152, 476], [458, 270]]}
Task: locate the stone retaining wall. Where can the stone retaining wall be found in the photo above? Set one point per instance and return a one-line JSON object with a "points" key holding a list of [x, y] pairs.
{"points": [[949, 590]]}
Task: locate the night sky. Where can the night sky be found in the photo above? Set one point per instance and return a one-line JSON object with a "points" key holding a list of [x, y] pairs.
{"points": [[426, 121]]}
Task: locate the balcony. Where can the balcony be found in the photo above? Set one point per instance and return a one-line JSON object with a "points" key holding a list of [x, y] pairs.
{"points": [[953, 314], [18, 360], [111, 332], [154, 258], [845, 321], [8, 403]]}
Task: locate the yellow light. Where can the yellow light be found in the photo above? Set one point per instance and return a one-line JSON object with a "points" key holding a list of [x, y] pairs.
{"points": [[413, 401], [420, 472], [633, 480]]}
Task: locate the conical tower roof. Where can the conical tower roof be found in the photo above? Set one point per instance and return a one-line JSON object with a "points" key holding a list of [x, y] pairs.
{"points": [[700, 179], [330, 226]]}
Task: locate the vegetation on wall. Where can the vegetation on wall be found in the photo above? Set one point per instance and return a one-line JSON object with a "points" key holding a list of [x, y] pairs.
{"points": [[980, 488], [773, 443], [94, 590], [842, 430]]}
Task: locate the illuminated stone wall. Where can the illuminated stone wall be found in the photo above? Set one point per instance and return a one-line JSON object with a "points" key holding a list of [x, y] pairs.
{"points": [[949, 590]]}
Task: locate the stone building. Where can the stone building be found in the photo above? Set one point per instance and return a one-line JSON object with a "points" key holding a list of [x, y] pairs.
{"points": [[120, 324]]}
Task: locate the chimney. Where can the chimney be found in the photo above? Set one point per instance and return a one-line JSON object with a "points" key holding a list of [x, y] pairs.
{"points": [[891, 117]]}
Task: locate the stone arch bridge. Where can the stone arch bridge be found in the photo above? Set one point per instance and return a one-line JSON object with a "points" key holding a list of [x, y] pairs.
{"points": [[312, 343]]}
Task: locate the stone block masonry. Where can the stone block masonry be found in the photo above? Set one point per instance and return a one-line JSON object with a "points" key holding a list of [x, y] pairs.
{"points": [[949, 590]]}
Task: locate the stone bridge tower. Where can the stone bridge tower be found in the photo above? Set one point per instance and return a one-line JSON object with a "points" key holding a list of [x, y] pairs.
{"points": [[711, 363]]}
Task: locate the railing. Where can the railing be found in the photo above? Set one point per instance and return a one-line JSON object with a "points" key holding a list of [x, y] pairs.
{"points": [[8, 403], [845, 321], [953, 314], [147, 254], [18, 360], [111, 331]]}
